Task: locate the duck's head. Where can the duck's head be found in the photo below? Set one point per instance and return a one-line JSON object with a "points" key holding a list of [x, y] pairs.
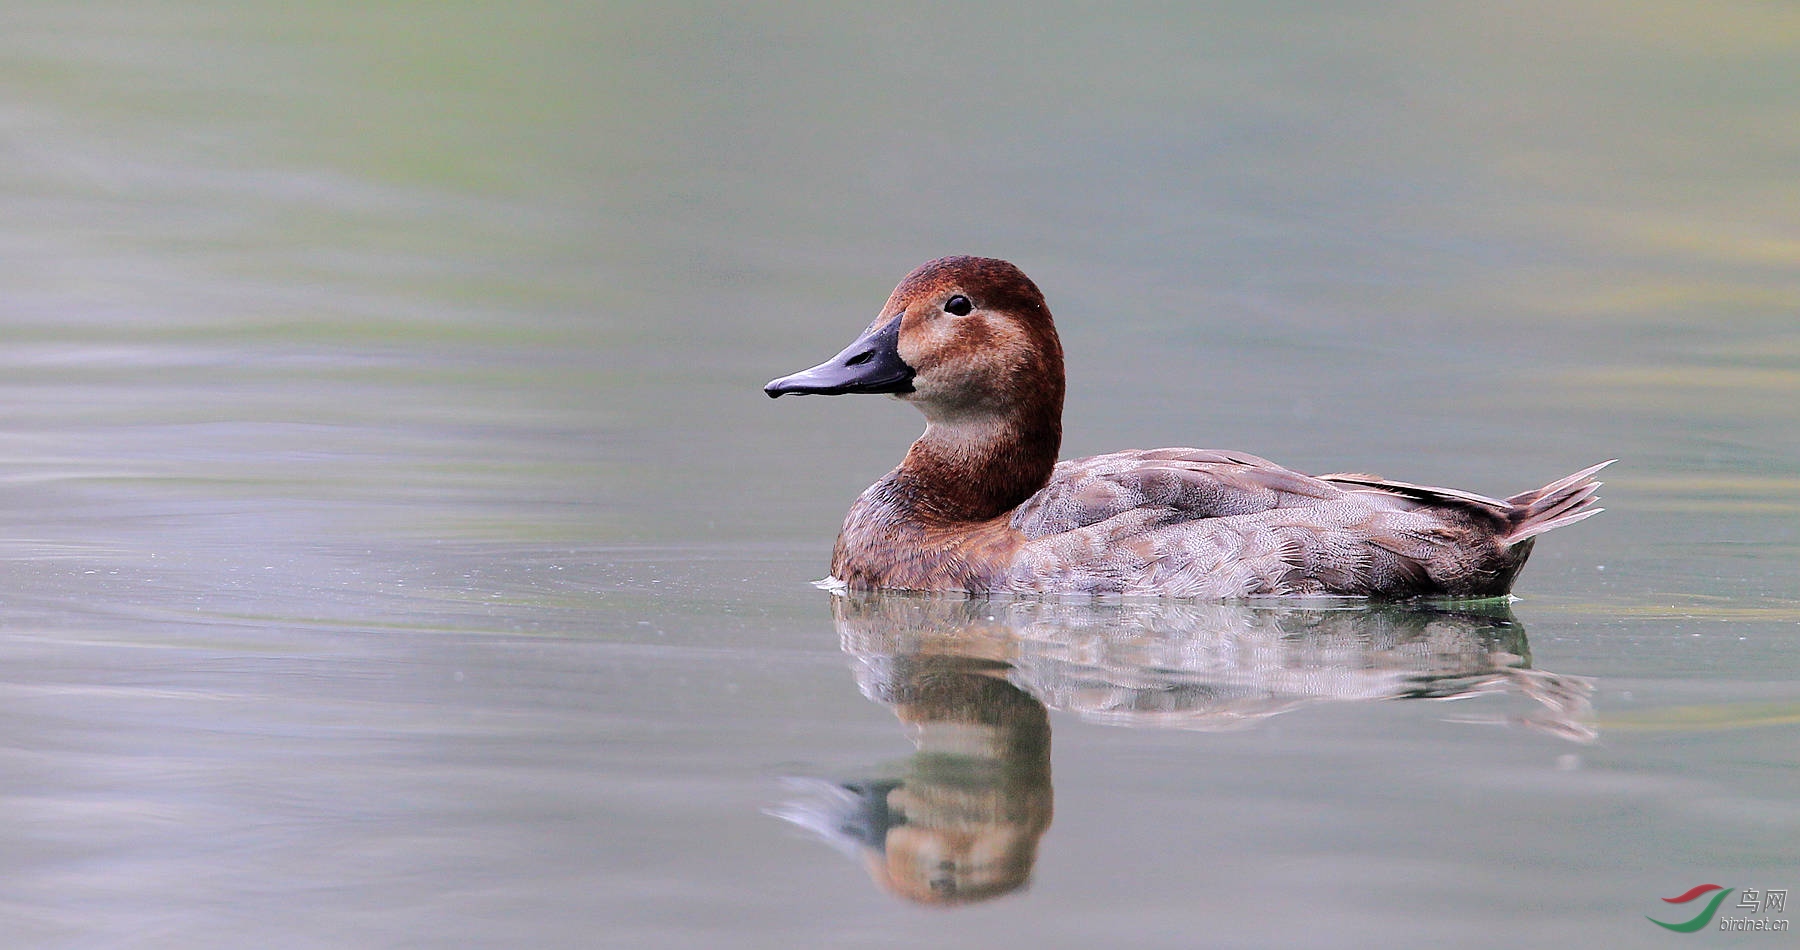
{"points": [[960, 338]]}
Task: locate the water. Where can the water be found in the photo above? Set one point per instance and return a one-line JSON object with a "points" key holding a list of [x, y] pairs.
{"points": [[399, 551]]}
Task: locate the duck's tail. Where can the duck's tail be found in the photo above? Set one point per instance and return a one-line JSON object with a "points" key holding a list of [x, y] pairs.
{"points": [[1564, 501]]}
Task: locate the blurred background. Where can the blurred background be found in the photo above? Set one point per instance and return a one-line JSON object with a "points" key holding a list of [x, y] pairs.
{"points": [[398, 549]]}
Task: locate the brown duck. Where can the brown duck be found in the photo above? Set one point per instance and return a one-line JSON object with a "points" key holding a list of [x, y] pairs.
{"points": [[980, 504]]}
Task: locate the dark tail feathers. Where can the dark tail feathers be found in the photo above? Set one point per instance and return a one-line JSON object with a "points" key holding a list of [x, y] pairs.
{"points": [[1564, 501]]}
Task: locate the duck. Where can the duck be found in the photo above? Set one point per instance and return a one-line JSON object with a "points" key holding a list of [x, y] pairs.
{"points": [[981, 505]]}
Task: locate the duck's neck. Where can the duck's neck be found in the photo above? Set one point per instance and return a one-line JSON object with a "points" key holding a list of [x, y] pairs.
{"points": [[975, 468]]}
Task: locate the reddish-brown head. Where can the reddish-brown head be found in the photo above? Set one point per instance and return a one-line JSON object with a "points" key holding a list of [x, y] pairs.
{"points": [[969, 341], [979, 338], [961, 338]]}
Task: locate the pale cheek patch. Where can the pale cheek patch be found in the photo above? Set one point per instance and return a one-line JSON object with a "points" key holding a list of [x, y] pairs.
{"points": [[966, 363]]}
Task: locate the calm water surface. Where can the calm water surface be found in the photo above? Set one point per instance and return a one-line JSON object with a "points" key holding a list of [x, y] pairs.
{"points": [[398, 550]]}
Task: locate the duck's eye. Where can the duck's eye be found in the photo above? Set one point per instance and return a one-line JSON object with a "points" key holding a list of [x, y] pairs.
{"points": [[958, 306]]}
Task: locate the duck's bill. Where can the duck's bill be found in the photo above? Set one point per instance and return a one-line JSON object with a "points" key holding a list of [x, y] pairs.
{"points": [[870, 365]]}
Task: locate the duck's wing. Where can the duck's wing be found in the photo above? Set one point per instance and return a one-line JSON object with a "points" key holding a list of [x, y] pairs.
{"points": [[1166, 485], [1200, 523], [1422, 494]]}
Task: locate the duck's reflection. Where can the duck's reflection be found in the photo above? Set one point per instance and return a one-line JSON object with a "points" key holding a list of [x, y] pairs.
{"points": [[971, 680], [962, 818]]}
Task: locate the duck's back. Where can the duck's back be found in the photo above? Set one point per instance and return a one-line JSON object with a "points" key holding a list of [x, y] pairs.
{"points": [[1211, 524]]}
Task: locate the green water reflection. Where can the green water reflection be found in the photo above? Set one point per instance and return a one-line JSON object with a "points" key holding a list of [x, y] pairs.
{"points": [[972, 682], [398, 549]]}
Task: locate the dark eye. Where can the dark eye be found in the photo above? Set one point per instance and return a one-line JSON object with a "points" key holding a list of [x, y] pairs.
{"points": [[958, 306]]}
